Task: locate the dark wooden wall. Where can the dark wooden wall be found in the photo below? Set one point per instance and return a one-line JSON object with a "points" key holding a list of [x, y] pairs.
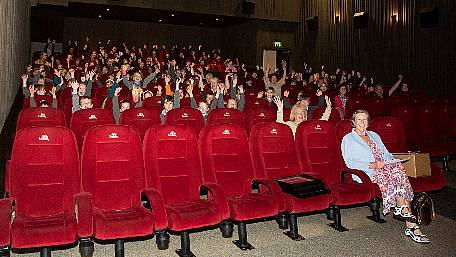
{"points": [[425, 55]]}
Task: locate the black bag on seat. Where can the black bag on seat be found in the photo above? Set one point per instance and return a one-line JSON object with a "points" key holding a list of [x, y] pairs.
{"points": [[302, 186]]}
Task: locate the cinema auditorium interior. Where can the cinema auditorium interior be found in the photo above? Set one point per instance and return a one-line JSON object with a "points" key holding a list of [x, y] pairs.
{"points": [[227, 128]]}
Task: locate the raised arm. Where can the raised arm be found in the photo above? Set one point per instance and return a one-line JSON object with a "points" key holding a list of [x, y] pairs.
{"points": [[396, 85]]}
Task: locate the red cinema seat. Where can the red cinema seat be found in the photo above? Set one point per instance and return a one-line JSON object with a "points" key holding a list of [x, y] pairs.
{"points": [[44, 186], [113, 176], [251, 103], [353, 104], [318, 113], [286, 114], [447, 114], [377, 107], [173, 168], [226, 161], [140, 118], [38, 99], [40, 117], [319, 153], [185, 116], [150, 102], [343, 127], [407, 114], [273, 152], [224, 115], [391, 132], [82, 120], [258, 115]]}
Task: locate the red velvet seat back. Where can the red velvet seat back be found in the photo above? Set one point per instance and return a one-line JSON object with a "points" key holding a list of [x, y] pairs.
{"points": [[44, 171], [407, 114], [38, 99], [391, 132], [185, 116], [140, 118], [112, 167], [172, 163], [257, 115], [353, 104], [82, 120], [224, 115], [318, 113], [154, 101], [428, 117], [225, 158], [318, 150], [272, 149], [377, 107], [251, 103], [342, 128], [40, 117], [447, 114]]}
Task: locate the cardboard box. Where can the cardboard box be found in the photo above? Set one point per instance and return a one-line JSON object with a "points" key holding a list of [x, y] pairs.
{"points": [[419, 164]]}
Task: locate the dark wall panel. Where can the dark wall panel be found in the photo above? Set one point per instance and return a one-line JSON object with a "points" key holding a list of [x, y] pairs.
{"points": [[385, 47]]}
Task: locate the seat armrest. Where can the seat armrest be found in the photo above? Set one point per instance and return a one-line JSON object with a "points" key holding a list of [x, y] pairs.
{"points": [[275, 190], [7, 177], [158, 208], [218, 195], [363, 176], [84, 214], [5, 221]]}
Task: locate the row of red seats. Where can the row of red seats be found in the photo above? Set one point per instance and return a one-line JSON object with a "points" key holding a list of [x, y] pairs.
{"points": [[45, 179]]}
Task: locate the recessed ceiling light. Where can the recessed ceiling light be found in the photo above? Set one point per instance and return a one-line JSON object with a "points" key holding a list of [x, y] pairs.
{"points": [[107, 9], [99, 16], [216, 19], [172, 15], [201, 23], [159, 20]]}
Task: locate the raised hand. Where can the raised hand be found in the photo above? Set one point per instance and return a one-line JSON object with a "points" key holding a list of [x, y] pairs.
{"points": [[235, 80], [53, 92], [278, 102], [241, 89], [117, 91], [32, 90], [319, 93], [74, 85], [24, 77], [328, 101], [260, 94], [190, 90], [168, 79], [286, 93]]}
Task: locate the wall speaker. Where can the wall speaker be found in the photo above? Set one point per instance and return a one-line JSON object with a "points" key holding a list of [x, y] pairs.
{"points": [[360, 20], [312, 23], [248, 7], [429, 18]]}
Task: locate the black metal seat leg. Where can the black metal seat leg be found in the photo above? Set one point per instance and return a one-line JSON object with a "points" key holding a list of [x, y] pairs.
{"points": [[119, 248], [86, 247], [162, 239], [185, 245], [337, 224], [282, 220], [45, 252], [446, 166], [293, 232], [226, 227], [242, 242], [375, 209], [5, 251]]}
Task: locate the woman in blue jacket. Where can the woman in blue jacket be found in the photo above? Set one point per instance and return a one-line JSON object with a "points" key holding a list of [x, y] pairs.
{"points": [[364, 150]]}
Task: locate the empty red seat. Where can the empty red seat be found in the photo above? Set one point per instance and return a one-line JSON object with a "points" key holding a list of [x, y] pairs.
{"points": [[173, 168], [113, 176], [256, 115], [40, 117], [377, 107], [141, 118], [154, 101], [319, 153], [407, 114], [185, 116], [353, 104], [44, 184], [391, 132], [273, 153], [224, 115], [82, 120], [226, 161]]}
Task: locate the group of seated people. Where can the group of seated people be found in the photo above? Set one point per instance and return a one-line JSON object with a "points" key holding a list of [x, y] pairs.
{"points": [[135, 74]]}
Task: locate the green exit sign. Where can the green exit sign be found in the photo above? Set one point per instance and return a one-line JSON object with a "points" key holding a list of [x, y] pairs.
{"points": [[277, 44]]}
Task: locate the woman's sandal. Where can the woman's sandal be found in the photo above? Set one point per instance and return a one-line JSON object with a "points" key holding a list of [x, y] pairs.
{"points": [[399, 215], [417, 238]]}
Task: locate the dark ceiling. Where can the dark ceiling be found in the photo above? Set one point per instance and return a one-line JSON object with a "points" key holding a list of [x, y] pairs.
{"points": [[113, 12]]}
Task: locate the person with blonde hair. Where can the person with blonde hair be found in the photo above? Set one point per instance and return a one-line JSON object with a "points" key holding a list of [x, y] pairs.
{"points": [[299, 112]]}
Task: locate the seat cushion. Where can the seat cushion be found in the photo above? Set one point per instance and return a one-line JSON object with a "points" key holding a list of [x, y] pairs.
{"points": [[297, 205], [434, 182], [350, 193], [44, 231], [252, 206], [137, 221], [194, 214]]}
